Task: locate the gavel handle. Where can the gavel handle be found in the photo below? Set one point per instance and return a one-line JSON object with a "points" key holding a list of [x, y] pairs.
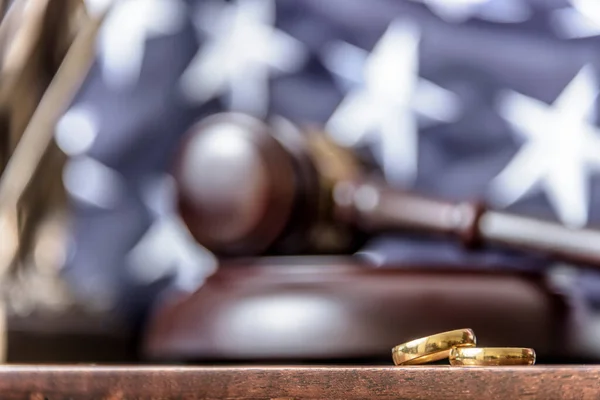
{"points": [[375, 207]]}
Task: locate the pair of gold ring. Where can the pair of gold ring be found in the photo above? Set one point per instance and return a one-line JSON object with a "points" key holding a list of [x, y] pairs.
{"points": [[459, 346]]}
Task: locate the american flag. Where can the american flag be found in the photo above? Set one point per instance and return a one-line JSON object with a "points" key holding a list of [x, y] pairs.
{"points": [[458, 99]]}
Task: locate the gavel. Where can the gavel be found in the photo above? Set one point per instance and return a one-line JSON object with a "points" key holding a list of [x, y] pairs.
{"points": [[248, 187]]}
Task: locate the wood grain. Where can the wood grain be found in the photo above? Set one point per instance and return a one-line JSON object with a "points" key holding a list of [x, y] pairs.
{"points": [[321, 382]]}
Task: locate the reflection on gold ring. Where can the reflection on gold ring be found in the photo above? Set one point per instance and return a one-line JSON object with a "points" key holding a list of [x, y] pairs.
{"points": [[432, 348], [486, 356]]}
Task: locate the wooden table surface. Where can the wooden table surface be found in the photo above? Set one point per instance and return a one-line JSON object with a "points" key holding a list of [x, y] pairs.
{"points": [[280, 382]]}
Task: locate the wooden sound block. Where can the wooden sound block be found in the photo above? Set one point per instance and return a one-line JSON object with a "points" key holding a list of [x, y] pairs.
{"points": [[306, 309]]}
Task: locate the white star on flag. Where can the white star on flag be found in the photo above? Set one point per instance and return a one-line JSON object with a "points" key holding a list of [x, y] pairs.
{"points": [[122, 38], [457, 11], [561, 149], [387, 93], [92, 183], [76, 131], [580, 20], [241, 48], [167, 248]]}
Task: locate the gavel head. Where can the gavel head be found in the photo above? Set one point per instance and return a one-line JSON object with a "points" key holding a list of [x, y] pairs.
{"points": [[248, 188]]}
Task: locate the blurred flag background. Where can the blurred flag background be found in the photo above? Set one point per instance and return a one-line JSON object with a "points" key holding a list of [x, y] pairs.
{"points": [[458, 99]]}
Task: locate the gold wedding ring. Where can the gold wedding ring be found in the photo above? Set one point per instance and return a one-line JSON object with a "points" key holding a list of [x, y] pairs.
{"points": [[488, 356], [432, 348]]}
